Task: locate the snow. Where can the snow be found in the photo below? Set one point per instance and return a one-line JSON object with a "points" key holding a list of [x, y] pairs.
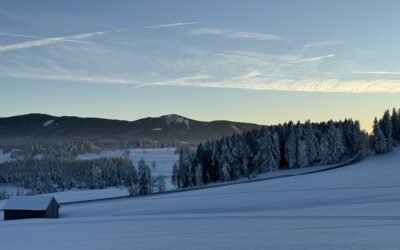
{"points": [[165, 159], [176, 119], [4, 156], [89, 194], [48, 123], [354, 207], [82, 194], [236, 128], [28, 203]]}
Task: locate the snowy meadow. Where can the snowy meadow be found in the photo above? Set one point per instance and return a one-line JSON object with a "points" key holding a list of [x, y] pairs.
{"points": [[354, 207]]}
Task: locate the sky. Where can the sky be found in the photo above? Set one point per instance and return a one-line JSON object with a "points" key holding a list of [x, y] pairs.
{"points": [[263, 61]]}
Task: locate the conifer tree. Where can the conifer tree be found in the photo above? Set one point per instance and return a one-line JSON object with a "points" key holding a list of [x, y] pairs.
{"points": [[386, 126], [379, 142], [144, 178], [396, 125], [291, 148], [336, 146]]}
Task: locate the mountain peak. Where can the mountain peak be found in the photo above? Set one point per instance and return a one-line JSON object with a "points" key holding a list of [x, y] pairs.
{"points": [[174, 119]]}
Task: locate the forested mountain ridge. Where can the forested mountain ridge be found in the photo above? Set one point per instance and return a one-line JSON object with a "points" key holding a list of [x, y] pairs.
{"points": [[42, 128]]}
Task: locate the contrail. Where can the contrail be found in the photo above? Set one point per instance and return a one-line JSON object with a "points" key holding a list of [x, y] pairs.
{"points": [[52, 40]]}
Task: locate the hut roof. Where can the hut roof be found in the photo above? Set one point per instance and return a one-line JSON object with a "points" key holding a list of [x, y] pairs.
{"points": [[36, 203]]}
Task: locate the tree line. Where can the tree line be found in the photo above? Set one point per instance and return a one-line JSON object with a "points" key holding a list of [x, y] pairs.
{"points": [[284, 146], [52, 175], [71, 149], [386, 132]]}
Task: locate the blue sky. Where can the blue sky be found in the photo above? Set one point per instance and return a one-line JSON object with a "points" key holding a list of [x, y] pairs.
{"points": [[253, 61]]}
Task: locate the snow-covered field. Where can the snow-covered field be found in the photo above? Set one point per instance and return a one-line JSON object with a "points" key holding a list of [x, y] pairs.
{"points": [[164, 158], [355, 207], [82, 194], [4, 156]]}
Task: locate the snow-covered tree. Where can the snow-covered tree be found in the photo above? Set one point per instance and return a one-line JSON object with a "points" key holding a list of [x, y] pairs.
{"points": [[224, 172], [323, 150], [395, 125], [144, 178], [183, 171], [265, 157], [267, 149], [302, 153], [379, 142], [131, 182], [336, 146], [159, 184], [175, 178], [276, 151], [311, 141], [291, 148], [386, 126], [198, 175]]}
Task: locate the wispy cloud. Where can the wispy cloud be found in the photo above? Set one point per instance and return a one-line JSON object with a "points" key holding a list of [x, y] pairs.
{"points": [[329, 86], [322, 44], [317, 58], [18, 35], [169, 25], [40, 37], [70, 77], [377, 72], [253, 80], [238, 34], [48, 41], [180, 81]]}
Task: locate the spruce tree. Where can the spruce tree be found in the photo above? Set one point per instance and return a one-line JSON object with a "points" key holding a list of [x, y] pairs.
{"points": [[291, 148], [311, 140], [144, 178], [336, 146], [396, 125], [386, 126], [265, 157], [379, 142], [323, 150]]}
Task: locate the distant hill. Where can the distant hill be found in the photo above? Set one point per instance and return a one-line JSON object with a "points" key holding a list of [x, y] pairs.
{"points": [[47, 129]]}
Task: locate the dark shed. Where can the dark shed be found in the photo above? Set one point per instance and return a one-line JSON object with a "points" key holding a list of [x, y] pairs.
{"points": [[24, 207]]}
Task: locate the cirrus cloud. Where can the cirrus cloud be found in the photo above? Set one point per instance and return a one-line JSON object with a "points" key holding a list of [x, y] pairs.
{"points": [[238, 34]]}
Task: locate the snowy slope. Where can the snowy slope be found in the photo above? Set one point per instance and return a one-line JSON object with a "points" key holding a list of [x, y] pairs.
{"points": [[355, 207]]}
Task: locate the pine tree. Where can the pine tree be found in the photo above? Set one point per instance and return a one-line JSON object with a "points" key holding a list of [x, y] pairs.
{"points": [[131, 181], [186, 168], [224, 172], [276, 151], [159, 183], [379, 142], [265, 157], [396, 125], [245, 156], [302, 150], [336, 146], [311, 141], [386, 126], [291, 148], [175, 178], [302, 156], [323, 150], [198, 175], [144, 178]]}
